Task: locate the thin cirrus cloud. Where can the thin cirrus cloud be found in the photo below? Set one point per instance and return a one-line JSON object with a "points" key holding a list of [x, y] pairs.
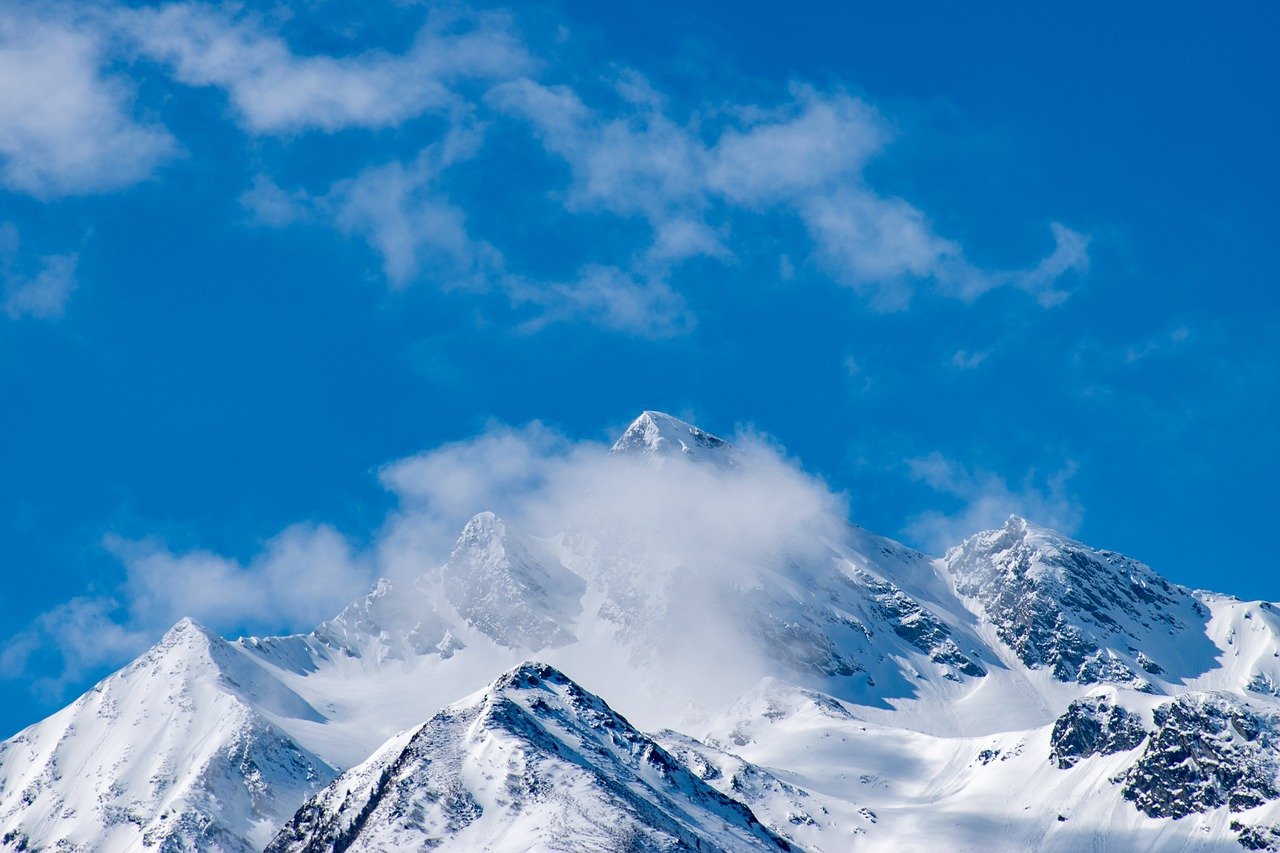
{"points": [[66, 126]]}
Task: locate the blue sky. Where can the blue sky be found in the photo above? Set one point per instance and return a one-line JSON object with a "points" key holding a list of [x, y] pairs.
{"points": [[958, 261]]}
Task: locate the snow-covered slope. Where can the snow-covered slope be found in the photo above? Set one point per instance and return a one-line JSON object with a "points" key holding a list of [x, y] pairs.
{"points": [[532, 762], [177, 751], [1026, 691]]}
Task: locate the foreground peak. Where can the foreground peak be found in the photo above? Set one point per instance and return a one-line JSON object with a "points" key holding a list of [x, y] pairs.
{"points": [[656, 434]]}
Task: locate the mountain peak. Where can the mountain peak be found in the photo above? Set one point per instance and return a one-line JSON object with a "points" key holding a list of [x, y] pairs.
{"points": [[187, 628], [530, 762], [659, 435]]}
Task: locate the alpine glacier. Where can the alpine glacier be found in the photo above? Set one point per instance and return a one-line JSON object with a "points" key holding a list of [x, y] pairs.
{"points": [[804, 684]]}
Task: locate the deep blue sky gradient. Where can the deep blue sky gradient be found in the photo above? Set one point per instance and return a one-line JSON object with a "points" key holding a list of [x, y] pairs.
{"points": [[213, 380]]}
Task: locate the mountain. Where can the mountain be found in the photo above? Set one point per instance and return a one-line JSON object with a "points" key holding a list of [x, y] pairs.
{"points": [[531, 762], [1088, 616], [656, 436], [176, 751], [1023, 691]]}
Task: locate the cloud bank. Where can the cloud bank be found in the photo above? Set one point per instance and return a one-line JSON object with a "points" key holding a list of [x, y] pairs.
{"points": [[695, 520]]}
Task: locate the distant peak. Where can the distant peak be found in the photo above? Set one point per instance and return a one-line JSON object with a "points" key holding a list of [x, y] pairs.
{"points": [[659, 435], [484, 523]]}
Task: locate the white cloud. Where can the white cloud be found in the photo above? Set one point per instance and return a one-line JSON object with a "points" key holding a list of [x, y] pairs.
{"points": [[66, 127], [1070, 254], [805, 156], [969, 359], [986, 499], [43, 296], [880, 246], [809, 146], [638, 162], [270, 204], [703, 517], [303, 575], [610, 297], [273, 89], [81, 635], [400, 212]]}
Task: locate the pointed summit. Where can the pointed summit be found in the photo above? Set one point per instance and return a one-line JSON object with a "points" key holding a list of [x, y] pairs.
{"points": [[1088, 616], [655, 435], [511, 587], [533, 761]]}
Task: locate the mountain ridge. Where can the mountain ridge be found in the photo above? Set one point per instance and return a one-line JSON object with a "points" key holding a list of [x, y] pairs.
{"points": [[825, 668]]}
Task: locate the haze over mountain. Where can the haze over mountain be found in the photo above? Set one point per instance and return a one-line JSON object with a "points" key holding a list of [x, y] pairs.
{"points": [[692, 648]]}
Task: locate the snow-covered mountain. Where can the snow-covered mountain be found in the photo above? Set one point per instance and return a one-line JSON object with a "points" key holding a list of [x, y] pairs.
{"points": [[176, 751], [810, 684], [531, 762]]}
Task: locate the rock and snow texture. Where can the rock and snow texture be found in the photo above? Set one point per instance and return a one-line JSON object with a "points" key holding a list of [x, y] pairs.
{"points": [[503, 588], [1088, 616], [173, 752], [1208, 750], [1093, 726], [655, 436], [1024, 692], [533, 762]]}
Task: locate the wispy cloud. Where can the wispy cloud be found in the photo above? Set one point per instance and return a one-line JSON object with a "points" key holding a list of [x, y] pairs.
{"points": [[302, 575], [693, 174], [969, 359], [274, 89], [39, 290], [703, 518], [984, 500], [67, 126], [804, 157]]}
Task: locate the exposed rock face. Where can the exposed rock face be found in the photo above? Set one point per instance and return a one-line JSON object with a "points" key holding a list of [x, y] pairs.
{"points": [[1209, 750], [1093, 726], [532, 762], [915, 624], [1263, 837], [1088, 616]]}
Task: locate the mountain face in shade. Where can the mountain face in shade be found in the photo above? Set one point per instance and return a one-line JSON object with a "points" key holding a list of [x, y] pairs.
{"points": [[532, 762], [821, 687]]}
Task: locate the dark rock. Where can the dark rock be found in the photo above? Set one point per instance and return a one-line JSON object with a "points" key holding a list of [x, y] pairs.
{"points": [[1209, 750], [1093, 726]]}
